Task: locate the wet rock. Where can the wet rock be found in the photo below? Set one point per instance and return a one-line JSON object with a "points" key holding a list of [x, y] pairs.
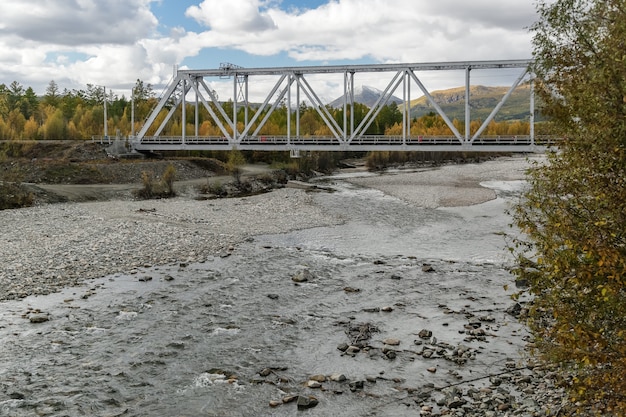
{"points": [[272, 296], [396, 277], [337, 377], [425, 334], [391, 354], [306, 402], [303, 276], [521, 283], [514, 310], [275, 403], [356, 385], [387, 309], [168, 278], [289, 399], [379, 262], [392, 342], [343, 347], [38, 318], [352, 350], [265, 372], [144, 278], [427, 268], [318, 378], [351, 289], [314, 384], [17, 396]]}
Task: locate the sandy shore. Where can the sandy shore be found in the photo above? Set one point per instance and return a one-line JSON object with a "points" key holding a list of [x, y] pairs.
{"points": [[448, 185]]}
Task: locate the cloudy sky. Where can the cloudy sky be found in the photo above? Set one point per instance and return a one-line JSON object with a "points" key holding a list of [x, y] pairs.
{"points": [[115, 42]]}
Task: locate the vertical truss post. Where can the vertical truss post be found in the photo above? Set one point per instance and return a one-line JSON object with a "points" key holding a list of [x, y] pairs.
{"points": [[351, 103], [346, 97], [468, 119], [197, 109], [532, 111], [245, 99], [406, 113], [291, 80], [235, 138], [297, 108], [183, 122]]}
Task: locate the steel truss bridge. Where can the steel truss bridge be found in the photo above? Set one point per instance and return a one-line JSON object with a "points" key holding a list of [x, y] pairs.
{"points": [[240, 130]]}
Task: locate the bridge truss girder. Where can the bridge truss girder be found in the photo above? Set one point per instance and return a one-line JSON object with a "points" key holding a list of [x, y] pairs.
{"points": [[244, 134]]}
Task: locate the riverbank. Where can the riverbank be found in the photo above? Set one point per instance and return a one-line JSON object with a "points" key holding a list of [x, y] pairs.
{"points": [[48, 247], [351, 303]]}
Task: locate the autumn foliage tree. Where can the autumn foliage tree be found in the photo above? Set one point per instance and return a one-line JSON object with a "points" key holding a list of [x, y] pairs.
{"points": [[574, 213]]}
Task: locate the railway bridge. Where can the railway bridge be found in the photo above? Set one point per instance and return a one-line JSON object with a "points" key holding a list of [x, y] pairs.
{"points": [[241, 129]]}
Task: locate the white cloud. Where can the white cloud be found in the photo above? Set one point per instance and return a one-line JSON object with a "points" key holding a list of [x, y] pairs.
{"points": [[236, 16], [78, 22], [114, 42]]}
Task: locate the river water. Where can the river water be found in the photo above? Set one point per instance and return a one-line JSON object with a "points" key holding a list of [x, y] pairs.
{"points": [[226, 336]]}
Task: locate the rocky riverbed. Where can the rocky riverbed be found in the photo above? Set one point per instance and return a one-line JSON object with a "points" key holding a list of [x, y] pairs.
{"points": [[386, 297]]}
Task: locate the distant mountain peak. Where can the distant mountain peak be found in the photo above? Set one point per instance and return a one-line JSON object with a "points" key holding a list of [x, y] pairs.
{"points": [[365, 94]]}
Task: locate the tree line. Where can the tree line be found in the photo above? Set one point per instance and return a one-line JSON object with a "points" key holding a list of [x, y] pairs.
{"points": [[79, 114]]}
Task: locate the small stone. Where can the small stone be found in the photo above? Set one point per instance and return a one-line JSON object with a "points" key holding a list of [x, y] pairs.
{"points": [[356, 385], [343, 347], [318, 378], [352, 350], [145, 278], [427, 268], [432, 370], [302, 276], [337, 377], [289, 399], [168, 278], [387, 309], [265, 372], [392, 342], [305, 402], [39, 318], [313, 384], [425, 334], [275, 403], [17, 396], [272, 296], [350, 289], [514, 310], [456, 402]]}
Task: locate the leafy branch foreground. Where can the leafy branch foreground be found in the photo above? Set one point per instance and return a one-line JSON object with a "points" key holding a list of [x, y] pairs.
{"points": [[574, 212]]}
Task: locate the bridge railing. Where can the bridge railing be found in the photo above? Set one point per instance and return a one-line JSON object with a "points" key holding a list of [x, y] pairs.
{"points": [[370, 140]]}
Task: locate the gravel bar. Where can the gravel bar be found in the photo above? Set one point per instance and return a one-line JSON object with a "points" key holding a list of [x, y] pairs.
{"points": [[46, 248]]}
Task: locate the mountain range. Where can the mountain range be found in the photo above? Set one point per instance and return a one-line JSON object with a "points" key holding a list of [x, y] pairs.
{"points": [[483, 99]]}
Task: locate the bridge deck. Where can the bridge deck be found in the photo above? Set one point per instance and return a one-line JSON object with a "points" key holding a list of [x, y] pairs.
{"points": [[362, 143]]}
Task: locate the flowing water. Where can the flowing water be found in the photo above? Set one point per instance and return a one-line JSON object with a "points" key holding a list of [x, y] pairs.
{"points": [[227, 336]]}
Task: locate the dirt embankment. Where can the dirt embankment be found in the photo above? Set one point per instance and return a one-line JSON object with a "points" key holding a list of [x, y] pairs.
{"points": [[56, 171]]}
